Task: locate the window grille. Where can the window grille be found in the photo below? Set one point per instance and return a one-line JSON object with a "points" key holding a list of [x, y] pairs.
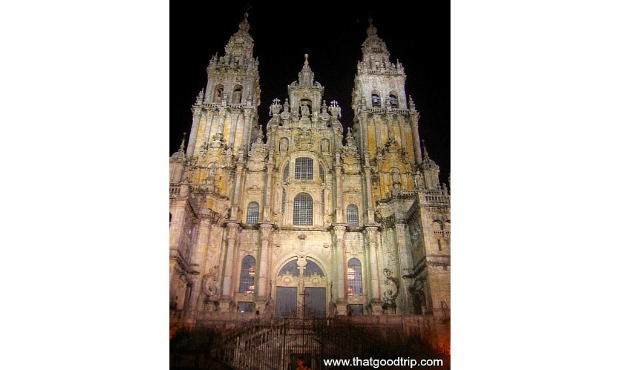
{"points": [[352, 215], [303, 168], [302, 209], [252, 213], [354, 276], [248, 271]]}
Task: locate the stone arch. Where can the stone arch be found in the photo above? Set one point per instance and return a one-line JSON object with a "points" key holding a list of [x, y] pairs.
{"points": [[237, 94], [393, 98], [300, 294], [375, 99], [218, 93]]}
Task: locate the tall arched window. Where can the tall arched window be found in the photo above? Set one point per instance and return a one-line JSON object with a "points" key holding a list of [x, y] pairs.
{"points": [[376, 100], [302, 209], [248, 271], [304, 168], [352, 215], [354, 276], [393, 101], [321, 173], [252, 213], [237, 94], [218, 93]]}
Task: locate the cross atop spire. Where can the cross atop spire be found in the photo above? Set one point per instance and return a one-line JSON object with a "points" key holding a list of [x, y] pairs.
{"points": [[306, 76], [244, 25], [372, 30]]}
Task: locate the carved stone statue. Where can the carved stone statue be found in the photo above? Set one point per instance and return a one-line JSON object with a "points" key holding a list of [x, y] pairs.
{"points": [[283, 144], [325, 145], [305, 111]]}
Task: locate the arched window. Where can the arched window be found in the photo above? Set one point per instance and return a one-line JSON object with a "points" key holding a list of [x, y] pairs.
{"points": [[302, 209], [312, 268], [376, 100], [248, 271], [393, 101], [321, 173], [285, 172], [290, 267], [283, 200], [218, 94], [237, 94], [303, 168], [252, 213], [354, 276], [352, 215]]}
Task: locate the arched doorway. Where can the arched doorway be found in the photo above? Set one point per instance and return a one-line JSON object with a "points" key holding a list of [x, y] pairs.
{"points": [[301, 289]]}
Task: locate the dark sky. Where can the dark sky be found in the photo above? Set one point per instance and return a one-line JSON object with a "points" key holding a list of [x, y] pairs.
{"points": [[332, 34]]}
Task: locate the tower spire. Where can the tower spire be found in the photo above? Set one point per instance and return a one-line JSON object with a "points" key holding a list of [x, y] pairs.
{"points": [[306, 76]]}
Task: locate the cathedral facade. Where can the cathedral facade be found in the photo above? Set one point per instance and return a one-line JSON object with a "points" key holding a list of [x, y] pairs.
{"points": [[306, 218]]}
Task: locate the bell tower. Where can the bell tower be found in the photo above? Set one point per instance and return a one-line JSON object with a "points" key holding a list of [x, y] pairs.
{"points": [[225, 112], [386, 122]]}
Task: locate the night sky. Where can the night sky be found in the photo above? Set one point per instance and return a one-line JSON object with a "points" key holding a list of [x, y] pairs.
{"points": [[332, 34]]}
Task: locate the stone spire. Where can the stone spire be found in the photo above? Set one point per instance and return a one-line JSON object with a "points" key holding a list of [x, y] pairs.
{"points": [[306, 76], [375, 52], [241, 44], [244, 25]]}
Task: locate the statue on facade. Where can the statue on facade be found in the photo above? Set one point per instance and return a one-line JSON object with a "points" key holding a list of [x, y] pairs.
{"points": [[390, 294], [305, 111], [283, 144], [209, 284], [324, 145], [275, 108], [335, 110]]}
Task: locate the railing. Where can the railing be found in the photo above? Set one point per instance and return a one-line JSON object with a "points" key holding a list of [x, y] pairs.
{"points": [[175, 190], [436, 198], [274, 344]]}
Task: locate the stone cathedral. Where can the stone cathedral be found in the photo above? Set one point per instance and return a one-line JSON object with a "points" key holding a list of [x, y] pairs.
{"points": [[306, 218]]}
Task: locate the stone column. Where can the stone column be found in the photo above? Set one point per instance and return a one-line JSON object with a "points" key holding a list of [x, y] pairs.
{"points": [[263, 266], [247, 129], [238, 181], [375, 283], [370, 204], [417, 150], [199, 254], [231, 240], [193, 135], [341, 278], [338, 171], [267, 198], [404, 261]]}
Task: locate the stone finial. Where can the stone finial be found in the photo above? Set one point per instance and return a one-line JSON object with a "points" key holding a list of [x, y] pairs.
{"points": [[244, 25], [306, 76], [411, 103], [200, 97], [372, 30], [182, 147], [424, 150]]}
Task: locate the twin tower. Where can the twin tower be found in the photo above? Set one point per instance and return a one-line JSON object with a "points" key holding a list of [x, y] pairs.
{"points": [[306, 219]]}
